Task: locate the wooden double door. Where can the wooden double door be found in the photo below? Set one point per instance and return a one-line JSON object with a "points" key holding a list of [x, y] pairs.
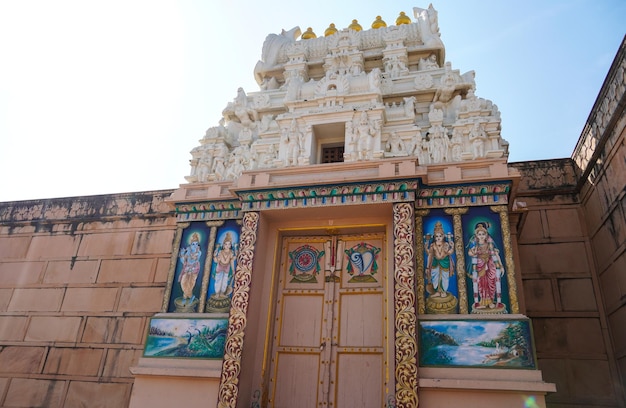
{"points": [[330, 325]]}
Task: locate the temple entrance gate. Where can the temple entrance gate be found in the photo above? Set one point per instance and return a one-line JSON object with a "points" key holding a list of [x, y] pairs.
{"points": [[328, 343]]}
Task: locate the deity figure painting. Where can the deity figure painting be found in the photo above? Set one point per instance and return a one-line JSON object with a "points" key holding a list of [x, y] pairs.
{"points": [[223, 268], [190, 257], [485, 269], [440, 266], [186, 287]]}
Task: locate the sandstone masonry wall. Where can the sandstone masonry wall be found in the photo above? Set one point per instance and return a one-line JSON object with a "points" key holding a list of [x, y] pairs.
{"points": [[79, 278], [603, 197], [572, 250]]}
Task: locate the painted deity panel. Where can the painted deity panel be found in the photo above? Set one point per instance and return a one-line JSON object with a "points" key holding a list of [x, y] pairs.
{"points": [[487, 285], [186, 338], [440, 273], [477, 343], [189, 272], [223, 268]]}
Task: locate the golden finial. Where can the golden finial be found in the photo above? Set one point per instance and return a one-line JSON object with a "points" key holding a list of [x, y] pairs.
{"points": [[403, 19], [355, 26], [308, 34], [379, 23], [330, 30]]}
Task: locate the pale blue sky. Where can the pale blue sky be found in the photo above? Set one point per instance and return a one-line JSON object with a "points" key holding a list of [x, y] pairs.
{"points": [[101, 97]]}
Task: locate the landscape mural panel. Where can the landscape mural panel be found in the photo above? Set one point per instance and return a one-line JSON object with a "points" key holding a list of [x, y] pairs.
{"points": [[476, 343], [186, 337]]}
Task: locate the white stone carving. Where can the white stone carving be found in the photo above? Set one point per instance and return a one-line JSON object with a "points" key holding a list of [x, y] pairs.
{"points": [[423, 81], [404, 90], [429, 63], [395, 146]]}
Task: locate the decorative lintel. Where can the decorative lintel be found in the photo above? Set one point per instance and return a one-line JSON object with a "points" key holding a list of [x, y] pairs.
{"points": [[329, 195], [464, 195], [209, 210]]}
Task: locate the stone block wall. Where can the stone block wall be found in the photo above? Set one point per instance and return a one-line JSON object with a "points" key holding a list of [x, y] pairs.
{"points": [[561, 290], [79, 278], [572, 250], [603, 197]]}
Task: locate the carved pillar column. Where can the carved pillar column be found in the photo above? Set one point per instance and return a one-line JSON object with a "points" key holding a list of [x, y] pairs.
{"points": [[404, 305], [231, 368]]}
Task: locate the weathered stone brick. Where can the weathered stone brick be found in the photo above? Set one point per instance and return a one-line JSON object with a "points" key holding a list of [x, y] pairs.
{"points": [[125, 270], [97, 395], [568, 258], [89, 299], [19, 359], [564, 222], [106, 244], [538, 295], [53, 328], [14, 247], [18, 274], [98, 329], [597, 375], [148, 300], [613, 282], [73, 361], [71, 272], [532, 229], [25, 392], [604, 246], [574, 336], [153, 242], [118, 362], [162, 270], [37, 300], [12, 328], [5, 298], [577, 295], [53, 246], [4, 382], [618, 329], [133, 329]]}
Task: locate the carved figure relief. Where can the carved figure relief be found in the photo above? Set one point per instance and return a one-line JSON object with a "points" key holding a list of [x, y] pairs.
{"points": [[478, 138], [364, 132], [395, 145]]}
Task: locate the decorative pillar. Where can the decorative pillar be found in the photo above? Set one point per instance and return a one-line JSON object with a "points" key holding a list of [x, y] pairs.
{"points": [[231, 368], [404, 304]]}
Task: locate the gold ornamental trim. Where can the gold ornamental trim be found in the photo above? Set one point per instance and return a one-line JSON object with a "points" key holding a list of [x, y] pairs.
{"points": [[508, 251], [231, 368], [404, 303], [209, 262], [459, 248], [419, 260], [170, 275]]}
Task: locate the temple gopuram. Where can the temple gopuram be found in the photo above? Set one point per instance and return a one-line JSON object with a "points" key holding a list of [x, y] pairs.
{"points": [[350, 234]]}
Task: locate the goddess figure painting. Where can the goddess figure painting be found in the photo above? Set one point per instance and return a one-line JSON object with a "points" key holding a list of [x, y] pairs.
{"points": [[486, 274]]}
